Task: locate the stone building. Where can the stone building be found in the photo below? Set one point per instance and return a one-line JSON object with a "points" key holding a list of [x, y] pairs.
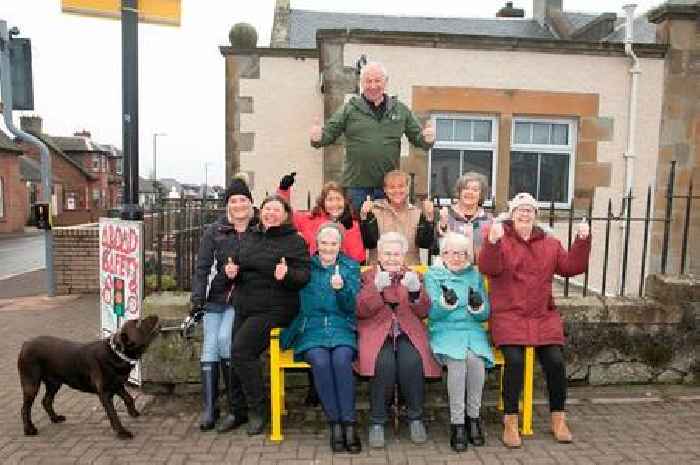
{"points": [[539, 104]]}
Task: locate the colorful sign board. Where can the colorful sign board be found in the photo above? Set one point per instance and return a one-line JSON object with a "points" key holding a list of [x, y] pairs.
{"points": [[150, 11], [121, 277]]}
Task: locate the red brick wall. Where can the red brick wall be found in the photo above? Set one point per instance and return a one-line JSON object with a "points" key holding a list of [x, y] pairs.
{"points": [[76, 260], [14, 194]]}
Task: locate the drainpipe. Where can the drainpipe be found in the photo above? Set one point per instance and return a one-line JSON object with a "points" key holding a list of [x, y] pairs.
{"points": [[629, 155]]}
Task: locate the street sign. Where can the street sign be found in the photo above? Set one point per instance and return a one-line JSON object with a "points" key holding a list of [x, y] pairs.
{"points": [[150, 11], [21, 70]]}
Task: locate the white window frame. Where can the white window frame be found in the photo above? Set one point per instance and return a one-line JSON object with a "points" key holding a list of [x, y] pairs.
{"points": [[465, 146], [548, 148]]}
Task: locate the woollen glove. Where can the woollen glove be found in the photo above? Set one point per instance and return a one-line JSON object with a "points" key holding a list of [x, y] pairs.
{"points": [[475, 301], [381, 280], [449, 297], [410, 281], [346, 219], [287, 181]]}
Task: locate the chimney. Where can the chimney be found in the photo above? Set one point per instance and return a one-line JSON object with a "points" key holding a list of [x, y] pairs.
{"points": [[83, 133], [30, 124], [279, 37], [509, 12], [543, 9]]}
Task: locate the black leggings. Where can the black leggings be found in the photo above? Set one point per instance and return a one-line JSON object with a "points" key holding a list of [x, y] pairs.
{"points": [[552, 361]]}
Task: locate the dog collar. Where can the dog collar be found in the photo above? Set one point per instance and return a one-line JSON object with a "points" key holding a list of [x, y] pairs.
{"points": [[120, 354]]}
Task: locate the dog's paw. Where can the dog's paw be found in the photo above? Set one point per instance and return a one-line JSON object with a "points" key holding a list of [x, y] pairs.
{"points": [[133, 412], [30, 430], [125, 434], [58, 419]]}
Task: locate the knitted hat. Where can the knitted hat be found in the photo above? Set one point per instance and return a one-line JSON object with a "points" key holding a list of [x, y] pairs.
{"points": [[238, 187], [520, 200]]}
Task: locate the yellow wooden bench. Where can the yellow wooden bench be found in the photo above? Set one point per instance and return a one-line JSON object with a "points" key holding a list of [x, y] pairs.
{"points": [[283, 359]]}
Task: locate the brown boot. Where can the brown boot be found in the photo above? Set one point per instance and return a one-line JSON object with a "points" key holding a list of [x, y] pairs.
{"points": [[559, 429], [511, 436]]}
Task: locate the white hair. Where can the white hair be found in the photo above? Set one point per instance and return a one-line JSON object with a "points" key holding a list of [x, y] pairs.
{"points": [[329, 228], [375, 65], [392, 238], [459, 243]]}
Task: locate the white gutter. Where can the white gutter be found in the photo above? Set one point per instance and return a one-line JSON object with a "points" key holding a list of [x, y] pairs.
{"points": [[635, 71]]}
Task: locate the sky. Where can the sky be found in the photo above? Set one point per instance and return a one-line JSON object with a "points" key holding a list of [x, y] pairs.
{"points": [[77, 70]]}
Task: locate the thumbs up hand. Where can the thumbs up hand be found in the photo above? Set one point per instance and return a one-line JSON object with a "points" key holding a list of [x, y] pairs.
{"points": [[281, 270], [495, 232], [231, 269], [584, 229], [336, 279], [428, 133], [475, 300], [429, 210], [448, 299], [366, 208], [316, 131]]}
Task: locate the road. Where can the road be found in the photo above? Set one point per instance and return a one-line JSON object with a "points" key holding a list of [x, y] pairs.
{"points": [[21, 255]]}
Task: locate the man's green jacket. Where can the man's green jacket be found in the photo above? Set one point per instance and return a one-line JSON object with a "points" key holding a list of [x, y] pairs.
{"points": [[372, 145]]}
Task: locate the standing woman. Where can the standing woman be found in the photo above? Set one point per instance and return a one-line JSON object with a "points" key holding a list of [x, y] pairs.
{"points": [[392, 339], [520, 260], [457, 336], [273, 266], [396, 214], [220, 243], [467, 216], [324, 334]]}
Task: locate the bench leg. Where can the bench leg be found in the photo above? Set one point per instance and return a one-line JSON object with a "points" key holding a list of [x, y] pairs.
{"points": [[499, 404], [276, 390], [528, 381]]}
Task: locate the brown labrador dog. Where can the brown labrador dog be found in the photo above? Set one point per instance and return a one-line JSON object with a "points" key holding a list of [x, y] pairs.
{"points": [[100, 367]]}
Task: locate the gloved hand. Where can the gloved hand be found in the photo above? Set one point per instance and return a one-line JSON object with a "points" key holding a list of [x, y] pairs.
{"points": [[287, 181], [382, 279], [346, 219], [197, 312], [449, 297], [474, 298], [411, 281]]}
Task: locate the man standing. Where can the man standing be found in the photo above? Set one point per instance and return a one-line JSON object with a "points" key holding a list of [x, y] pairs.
{"points": [[373, 124]]}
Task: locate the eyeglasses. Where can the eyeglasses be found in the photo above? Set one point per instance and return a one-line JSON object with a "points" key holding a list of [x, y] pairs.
{"points": [[453, 254], [526, 210]]}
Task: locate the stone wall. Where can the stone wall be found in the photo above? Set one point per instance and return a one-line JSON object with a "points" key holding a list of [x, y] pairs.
{"points": [[76, 259], [610, 341]]}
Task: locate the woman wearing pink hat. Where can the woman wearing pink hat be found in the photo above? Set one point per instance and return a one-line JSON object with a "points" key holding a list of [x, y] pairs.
{"points": [[520, 259]]}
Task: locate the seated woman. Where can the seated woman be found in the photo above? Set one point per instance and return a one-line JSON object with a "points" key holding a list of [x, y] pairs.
{"points": [[466, 216], [457, 336], [324, 335], [273, 266], [392, 339], [520, 260], [396, 214], [331, 205]]}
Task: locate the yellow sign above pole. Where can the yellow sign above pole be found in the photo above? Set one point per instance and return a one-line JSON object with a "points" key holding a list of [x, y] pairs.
{"points": [[150, 11]]}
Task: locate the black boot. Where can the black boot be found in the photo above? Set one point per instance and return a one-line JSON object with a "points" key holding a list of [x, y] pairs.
{"points": [[475, 434], [352, 440], [337, 440], [249, 372], [458, 438], [210, 389], [235, 400]]}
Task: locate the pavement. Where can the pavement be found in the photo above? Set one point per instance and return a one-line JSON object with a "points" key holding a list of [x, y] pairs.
{"points": [[622, 424], [21, 252]]}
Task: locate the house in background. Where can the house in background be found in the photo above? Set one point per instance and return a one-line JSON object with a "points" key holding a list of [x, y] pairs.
{"points": [[13, 192], [537, 104]]}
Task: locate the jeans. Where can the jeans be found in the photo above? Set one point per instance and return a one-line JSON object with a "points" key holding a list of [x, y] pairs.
{"points": [[358, 195], [217, 326], [552, 361], [334, 381]]}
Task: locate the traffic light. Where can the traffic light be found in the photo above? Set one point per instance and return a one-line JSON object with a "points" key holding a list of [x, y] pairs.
{"points": [[118, 300]]}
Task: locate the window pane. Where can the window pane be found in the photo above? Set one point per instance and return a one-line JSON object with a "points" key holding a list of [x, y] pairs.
{"points": [[444, 129], [463, 130], [480, 161], [522, 133], [554, 177], [560, 134], [444, 169], [540, 133], [523, 173], [482, 131]]}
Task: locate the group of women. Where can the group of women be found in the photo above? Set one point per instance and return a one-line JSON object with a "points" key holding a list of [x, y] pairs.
{"points": [[301, 271]]}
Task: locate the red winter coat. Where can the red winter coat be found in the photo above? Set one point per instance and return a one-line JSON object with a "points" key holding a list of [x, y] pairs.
{"points": [[308, 225], [520, 285], [374, 323]]}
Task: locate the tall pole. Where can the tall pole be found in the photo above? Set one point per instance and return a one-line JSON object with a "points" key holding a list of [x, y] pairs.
{"points": [[155, 138], [46, 184], [130, 109]]}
